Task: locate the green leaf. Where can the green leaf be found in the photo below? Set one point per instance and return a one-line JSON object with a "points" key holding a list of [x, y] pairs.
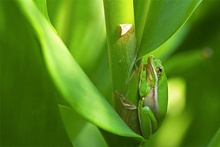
{"points": [[42, 6], [76, 31], [165, 50], [68, 17], [215, 140], [164, 18], [141, 8], [90, 136], [73, 122], [194, 57], [29, 111], [72, 82]]}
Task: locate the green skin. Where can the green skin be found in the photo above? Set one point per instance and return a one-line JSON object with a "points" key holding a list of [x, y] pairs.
{"points": [[153, 93]]}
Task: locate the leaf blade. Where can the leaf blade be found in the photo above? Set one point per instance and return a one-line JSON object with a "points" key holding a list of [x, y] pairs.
{"points": [[163, 20], [66, 73]]}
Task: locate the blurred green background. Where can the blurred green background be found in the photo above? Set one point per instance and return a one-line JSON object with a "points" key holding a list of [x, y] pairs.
{"points": [[29, 111]]}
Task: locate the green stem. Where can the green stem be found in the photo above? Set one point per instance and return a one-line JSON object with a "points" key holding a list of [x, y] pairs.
{"points": [[122, 55]]}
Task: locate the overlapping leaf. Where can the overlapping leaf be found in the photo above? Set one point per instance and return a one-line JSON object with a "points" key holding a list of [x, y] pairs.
{"points": [[163, 19], [75, 86]]}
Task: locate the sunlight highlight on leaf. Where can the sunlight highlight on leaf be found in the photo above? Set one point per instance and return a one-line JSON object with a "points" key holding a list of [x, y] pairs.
{"points": [[75, 86]]}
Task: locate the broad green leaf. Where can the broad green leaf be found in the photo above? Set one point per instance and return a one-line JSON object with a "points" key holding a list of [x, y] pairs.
{"points": [[215, 140], [141, 8], [164, 18], [165, 50], [90, 136], [72, 82], [76, 31], [42, 6], [85, 50], [73, 122], [76, 23], [29, 112]]}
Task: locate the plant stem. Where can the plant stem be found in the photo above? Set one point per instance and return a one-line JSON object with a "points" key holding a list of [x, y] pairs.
{"points": [[122, 55]]}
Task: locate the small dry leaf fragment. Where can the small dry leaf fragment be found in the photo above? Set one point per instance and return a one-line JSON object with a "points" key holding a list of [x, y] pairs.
{"points": [[125, 28]]}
